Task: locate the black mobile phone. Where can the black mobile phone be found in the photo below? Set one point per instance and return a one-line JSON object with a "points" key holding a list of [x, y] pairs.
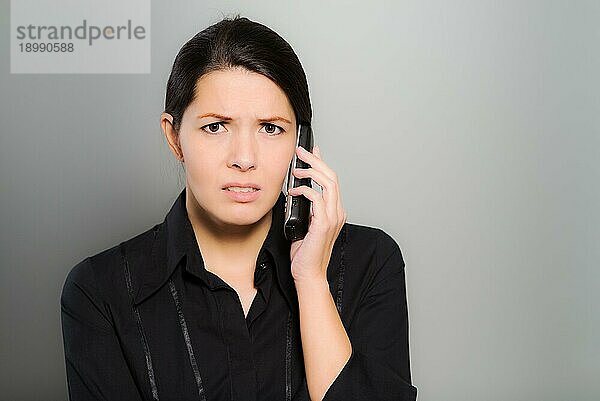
{"points": [[297, 208]]}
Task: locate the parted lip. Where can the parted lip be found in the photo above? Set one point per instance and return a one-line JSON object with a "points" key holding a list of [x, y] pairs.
{"points": [[241, 185]]}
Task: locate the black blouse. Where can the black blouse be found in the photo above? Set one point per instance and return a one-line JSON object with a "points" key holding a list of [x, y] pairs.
{"points": [[144, 320]]}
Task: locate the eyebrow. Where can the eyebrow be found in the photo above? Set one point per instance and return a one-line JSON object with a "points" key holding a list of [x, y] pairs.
{"points": [[226, 118]]}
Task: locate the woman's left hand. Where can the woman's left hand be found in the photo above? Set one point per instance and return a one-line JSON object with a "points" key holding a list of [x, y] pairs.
{"points": [[310, 255]]}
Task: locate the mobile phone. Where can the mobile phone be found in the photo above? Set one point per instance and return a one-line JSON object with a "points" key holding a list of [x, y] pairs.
{"points": [[297, 208]]}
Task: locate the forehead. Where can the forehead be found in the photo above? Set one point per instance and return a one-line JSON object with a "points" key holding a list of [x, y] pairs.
{"points": [[239, 91]]}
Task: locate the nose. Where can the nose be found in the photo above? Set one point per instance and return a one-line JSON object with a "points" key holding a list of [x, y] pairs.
{"points": [[243, 151]]}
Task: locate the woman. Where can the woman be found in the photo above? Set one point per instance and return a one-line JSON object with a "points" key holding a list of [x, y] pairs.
{"points": [[214, 303]]}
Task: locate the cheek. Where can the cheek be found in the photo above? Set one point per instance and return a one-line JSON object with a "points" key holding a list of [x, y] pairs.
{"points": [[282, 163], [279, 170], [201, 163]]}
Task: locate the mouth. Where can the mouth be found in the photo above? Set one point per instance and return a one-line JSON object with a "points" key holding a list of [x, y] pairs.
{"points": [[241, 187], [242, 192]]}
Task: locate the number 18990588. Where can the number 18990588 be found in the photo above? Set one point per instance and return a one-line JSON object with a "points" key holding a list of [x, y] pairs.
{"points": [[49, 47]]}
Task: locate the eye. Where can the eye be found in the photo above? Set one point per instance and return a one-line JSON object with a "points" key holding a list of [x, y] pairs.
{"points": [[270, 127], [212, 126]]}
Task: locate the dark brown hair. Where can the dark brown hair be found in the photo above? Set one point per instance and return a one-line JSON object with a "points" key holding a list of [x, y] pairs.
{"points": [[237, 42]]}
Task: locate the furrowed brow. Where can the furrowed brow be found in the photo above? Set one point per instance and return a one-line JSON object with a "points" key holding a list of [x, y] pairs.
{"points": [[274, 118], [215, 115], [262, 120]]}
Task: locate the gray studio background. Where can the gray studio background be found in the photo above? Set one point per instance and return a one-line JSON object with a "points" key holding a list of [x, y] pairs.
{"points": [[467, 130]]}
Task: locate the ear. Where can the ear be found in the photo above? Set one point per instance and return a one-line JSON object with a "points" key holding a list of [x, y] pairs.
{"points": [[166, 123]]}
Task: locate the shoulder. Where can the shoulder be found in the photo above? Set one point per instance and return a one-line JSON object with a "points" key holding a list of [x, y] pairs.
{"points": [[95, 273], [362, 257], [369, 244]]}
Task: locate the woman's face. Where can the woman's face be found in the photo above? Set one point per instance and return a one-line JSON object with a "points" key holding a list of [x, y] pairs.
{"points": [[240, 128]]}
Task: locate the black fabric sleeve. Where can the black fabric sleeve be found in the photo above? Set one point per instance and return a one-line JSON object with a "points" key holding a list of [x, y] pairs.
{"points": [[95, 366], [379, 367]]}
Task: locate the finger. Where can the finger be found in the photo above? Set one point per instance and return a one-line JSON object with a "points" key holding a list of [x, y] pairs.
{"points": [[329, 188], [334, 207], [318, 207], [317, 151], [315, 162]]}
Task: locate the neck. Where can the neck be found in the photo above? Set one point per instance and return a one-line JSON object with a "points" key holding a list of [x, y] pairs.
{"points": [[228, 250]]}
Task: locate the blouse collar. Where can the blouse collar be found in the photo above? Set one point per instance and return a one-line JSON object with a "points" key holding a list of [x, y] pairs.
{"points": [[174, 240]]}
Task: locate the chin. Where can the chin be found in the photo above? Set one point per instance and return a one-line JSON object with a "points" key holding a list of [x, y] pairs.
{"points": [[245, 211], [244, 217]]}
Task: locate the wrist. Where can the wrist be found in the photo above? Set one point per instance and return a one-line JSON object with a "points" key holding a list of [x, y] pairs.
{"points": [[311, 285]]}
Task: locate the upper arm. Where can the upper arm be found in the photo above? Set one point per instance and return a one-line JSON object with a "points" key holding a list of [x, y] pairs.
{"points": [[379, 366], [95, 366], [382, 322]]}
